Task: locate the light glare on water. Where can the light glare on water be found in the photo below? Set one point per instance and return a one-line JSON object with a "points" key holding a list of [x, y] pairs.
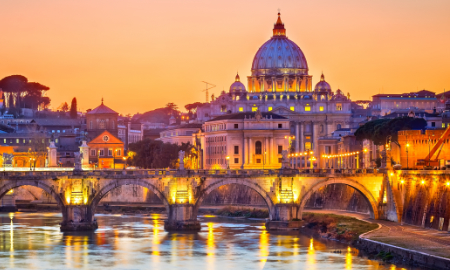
{"points": [[33, 241]]}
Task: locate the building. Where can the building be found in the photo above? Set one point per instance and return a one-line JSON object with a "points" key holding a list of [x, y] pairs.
{"points": [[106, 152], [415, 145], [179, 134], [100, 119], [386, 103], [280, 83], [129, 132], [251, 140]]}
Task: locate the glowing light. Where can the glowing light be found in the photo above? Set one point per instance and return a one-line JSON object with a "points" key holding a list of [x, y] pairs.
{"points": [[402, 182], [423, 182], [448, 184]]}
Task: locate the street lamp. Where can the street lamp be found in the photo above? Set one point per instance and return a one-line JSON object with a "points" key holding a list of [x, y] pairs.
{"points": [[124, 162], [228, 162]]}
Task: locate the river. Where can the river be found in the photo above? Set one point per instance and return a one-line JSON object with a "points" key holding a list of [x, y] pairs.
{"points": [[33, 241]]}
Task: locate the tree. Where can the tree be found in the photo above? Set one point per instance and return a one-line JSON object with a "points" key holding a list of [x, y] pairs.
{"points": [[22, 94], [156, 154], [73, 108], [172, 106], [192, 108], [65, 107], [378, 130]]}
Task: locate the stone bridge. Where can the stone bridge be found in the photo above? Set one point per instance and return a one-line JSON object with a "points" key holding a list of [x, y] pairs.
{"points": [[285, 192]]}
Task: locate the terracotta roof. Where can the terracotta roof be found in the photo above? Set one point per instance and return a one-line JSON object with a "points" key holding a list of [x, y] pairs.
{"points": [[102, 109]]}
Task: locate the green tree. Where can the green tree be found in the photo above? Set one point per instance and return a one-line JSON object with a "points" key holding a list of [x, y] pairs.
{"points": [[378, 130], [154, 154], [73, 108]]}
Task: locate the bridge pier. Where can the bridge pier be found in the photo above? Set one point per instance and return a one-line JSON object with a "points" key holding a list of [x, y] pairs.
{"points": [[182, 217], [284, 217], [78, 218]]}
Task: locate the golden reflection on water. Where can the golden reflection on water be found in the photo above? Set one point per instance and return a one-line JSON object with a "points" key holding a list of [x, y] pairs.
{"points": [[311, 259], [348, 259], [11, 244], [156, 241], [264, 246], [210, 246]]}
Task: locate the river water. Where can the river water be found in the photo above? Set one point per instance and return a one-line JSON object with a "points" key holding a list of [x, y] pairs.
{"points": [[33, 241]]}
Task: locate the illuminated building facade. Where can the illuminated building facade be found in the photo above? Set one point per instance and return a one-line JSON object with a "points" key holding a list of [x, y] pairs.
{"points": [[252, 140], [280, 83], [106, 152]]}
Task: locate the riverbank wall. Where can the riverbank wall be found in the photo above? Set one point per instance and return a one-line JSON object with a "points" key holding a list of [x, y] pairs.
{"points": [[404, 255]]}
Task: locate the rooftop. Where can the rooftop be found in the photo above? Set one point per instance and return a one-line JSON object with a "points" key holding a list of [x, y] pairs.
{"points": [[247, 115]]}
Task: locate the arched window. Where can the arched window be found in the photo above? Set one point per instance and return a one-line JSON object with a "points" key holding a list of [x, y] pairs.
{"points": [[338, 126], [258, 148], [102, 125]]}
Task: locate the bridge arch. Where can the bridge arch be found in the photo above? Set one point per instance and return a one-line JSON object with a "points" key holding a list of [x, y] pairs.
{"points": [[222, 182], [40, 184], [123, 182], [364, 191]]}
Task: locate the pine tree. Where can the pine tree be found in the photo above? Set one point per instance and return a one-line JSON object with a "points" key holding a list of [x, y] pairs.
{"points": [[73, 108]]}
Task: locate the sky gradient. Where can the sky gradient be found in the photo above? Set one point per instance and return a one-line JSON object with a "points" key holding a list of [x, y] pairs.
{"points": [[141, 54]]}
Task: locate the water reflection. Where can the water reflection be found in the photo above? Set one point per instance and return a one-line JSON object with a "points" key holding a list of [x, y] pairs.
{"points": [[33, 241]]}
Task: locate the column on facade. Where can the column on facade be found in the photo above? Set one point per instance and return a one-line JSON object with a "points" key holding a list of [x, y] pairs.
{"points": [[271, 150], [301, 136], [250, 151], [297, 137], [266, 150], [316, 141], [273, 84], [245, 151]]}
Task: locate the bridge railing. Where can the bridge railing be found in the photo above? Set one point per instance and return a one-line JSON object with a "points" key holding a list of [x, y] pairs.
{"points": [[148, 173]]}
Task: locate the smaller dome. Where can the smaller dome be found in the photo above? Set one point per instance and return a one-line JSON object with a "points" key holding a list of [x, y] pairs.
{"points": [[237, 86], [322, 86]]}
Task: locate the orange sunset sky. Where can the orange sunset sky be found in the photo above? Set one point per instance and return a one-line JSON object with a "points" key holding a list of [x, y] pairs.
{"points": [[141, 54]]}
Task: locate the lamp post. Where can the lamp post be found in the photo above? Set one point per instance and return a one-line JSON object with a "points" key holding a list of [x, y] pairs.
{"points": [[365, 158], [98, 159], [114, 158], [264, 159], [124, 162], [228, 162]]}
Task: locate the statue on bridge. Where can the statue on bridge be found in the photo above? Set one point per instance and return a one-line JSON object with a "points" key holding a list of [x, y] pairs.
{"points": [[78, 158], [181, 157]]}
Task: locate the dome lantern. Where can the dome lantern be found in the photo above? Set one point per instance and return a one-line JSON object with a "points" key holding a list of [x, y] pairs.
{"points": [[278, 28]]}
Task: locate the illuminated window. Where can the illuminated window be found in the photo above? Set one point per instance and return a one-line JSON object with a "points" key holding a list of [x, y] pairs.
{"points": [[254, 109], [308, 137], [269, 109], [118, 152], [308, 146], [241, 109], [307, 108], [292, 109], [93, 152], [322, 97], [321, 108], [443, 126], [339, 107], [110, 152]]}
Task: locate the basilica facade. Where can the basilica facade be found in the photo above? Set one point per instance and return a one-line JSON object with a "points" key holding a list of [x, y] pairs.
{"points": [[280, 84]]}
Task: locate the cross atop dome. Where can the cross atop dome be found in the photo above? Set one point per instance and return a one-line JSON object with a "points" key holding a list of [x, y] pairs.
{"points": [[278, 28]]}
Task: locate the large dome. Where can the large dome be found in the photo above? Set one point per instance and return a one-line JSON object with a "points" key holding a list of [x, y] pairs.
{"points": [[279, 55]]}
